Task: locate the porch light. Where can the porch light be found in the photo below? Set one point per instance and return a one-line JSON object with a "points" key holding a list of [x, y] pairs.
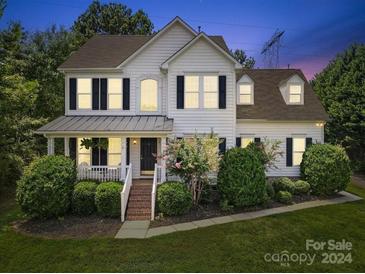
{"points": [[319, 124], [134, 141]]}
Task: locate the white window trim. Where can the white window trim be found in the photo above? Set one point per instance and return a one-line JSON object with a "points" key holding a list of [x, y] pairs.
{"points": [[83, 93], [139, 93], [298, 136], [301, 84], [201, 89], [252, 93]]}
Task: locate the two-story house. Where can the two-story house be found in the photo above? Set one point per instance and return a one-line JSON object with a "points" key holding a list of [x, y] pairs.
{"points": [[138, 90]]}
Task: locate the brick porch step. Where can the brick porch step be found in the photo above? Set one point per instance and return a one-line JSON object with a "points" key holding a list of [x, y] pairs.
{"points": [[139, 203]]}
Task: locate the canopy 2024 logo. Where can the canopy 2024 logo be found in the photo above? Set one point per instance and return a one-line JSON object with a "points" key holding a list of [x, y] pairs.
{"points": [[333, 252]]}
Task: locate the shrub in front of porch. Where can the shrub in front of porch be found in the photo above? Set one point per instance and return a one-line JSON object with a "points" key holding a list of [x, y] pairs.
{"points": [[107, 199], [174, 198], [241, 178], [45, 189], [83, 198], [326, 168]]}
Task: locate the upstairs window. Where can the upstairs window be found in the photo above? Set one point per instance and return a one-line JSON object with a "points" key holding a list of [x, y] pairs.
{"points": [[149, 95], [246, 93], [298, 150], [191, 92], [295, 93], [84, 93], [210, 91], [114, 93]]}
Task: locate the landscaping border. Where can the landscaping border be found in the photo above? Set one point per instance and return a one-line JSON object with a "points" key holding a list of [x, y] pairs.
{"points": [[141, 230]]}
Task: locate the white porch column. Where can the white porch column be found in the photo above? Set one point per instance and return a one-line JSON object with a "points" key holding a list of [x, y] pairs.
{"points": [[50, 146], [67, 146], [124, 156], [163, 162]]}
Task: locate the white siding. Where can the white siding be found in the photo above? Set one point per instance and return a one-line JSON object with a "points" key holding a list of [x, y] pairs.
{"points": [[280, 131], [147, 63], [203, 58]]}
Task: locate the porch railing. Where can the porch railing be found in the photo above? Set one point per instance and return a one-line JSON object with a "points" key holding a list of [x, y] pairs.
{"points": [[99, 173], [124, 195], [156, 180]]}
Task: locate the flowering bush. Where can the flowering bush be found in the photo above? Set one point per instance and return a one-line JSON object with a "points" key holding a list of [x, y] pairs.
{"points": [[192, 160]]}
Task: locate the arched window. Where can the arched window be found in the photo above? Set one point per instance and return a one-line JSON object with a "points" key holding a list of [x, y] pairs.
{"points": [[149, 95]]}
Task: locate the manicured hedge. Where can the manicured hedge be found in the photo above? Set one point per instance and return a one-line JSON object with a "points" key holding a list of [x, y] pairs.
{"points": [[173, 198], [326, 168], [283, 184], [241, 178], [83, 198], [301, 187], [284, 197], [107, 199], [45, 189]]}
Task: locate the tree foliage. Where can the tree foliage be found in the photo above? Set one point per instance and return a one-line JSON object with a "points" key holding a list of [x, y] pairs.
{"points": [[111, 18], [243, 59], [341, 88]]}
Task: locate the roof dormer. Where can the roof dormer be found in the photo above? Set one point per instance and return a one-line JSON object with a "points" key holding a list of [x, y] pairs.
{"points": [[245, 91], [292, 90]]}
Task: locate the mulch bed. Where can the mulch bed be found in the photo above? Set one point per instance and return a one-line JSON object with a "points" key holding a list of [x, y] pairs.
{"points": [[69, 227], [213, 210]]}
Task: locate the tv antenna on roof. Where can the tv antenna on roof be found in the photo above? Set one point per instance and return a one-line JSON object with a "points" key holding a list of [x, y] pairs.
{"points": [[271, 48]]}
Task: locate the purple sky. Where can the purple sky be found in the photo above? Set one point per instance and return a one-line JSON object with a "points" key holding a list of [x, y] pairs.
{"points": [[314, 30]]}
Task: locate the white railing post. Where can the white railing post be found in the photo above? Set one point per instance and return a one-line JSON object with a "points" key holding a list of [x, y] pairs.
{"points": [[124, 195], [124, 158], [163, 162]]}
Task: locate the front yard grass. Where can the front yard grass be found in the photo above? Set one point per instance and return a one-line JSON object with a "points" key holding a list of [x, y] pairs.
{"points": [[234, 247]]}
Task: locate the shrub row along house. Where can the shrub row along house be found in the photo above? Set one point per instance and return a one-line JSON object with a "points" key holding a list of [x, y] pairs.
{"points": [[126, 94]]}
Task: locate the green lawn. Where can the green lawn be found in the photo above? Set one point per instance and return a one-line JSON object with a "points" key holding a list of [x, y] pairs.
{"points": [[234, 247]]}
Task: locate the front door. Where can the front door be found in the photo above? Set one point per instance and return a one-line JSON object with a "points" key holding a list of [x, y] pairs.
{"points": [[148, 155]]}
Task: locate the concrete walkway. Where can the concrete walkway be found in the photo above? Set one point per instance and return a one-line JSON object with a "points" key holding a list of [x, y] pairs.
{"points": [[359, 180], [139, 229]]}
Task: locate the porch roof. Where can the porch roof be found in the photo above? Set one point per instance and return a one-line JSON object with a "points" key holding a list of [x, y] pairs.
{"points": [[75, 124]]}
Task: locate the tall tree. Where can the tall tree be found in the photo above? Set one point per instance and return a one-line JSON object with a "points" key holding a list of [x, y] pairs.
{"points": [[246, 62], [111, 18], [341, 88], [2, 7]]}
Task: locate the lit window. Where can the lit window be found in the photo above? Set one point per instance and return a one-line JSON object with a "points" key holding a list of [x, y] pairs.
{"points": [[114, 93], [191, 92], [149, 95], [210, 92], [295, 94], [83, 154], [84, 93], [246, 93], [245, 141], [298, 150], [114, 151]]}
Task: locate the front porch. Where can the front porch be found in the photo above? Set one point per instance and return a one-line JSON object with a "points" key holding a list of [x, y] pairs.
{"points": [[111, 163]]}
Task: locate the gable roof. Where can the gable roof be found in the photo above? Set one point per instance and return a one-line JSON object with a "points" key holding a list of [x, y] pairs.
{"points": [[269, 103], [217, 41], [111, 51]]}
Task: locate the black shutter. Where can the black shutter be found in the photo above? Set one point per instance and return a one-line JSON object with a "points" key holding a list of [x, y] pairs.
{"points": [[179, 92], [72, 147], [72, 89], [222, 145], [95, 94], [238, 142], [308, 142], [257, 140], [127, 150], [95, 152], [222, 92], [103, 154], [289, 151], [103, 93], [126, 93]]}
